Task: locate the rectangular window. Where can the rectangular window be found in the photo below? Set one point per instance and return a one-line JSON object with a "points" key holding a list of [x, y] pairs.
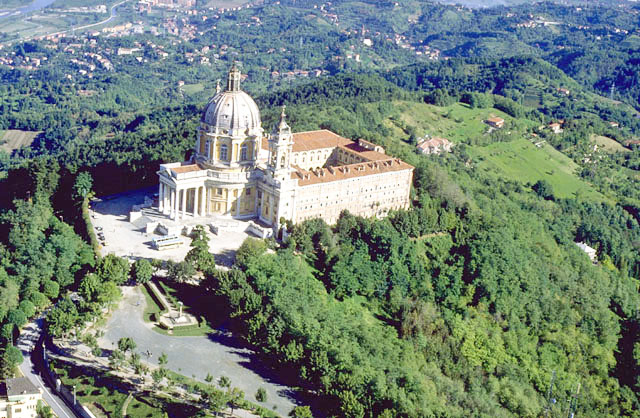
{"points": [[219, 192], [248, 191]]}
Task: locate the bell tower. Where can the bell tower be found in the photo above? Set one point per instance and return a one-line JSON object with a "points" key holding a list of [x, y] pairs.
{"points": [[280, 149]]}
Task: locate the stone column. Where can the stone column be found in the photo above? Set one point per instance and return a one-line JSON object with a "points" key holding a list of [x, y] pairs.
{"points": [[205, 203], [160, 197], [196, 195], [203, 194], [229, 197], [172, 203], [238, 202], [167, 199], [176, 196], [183, 204]]}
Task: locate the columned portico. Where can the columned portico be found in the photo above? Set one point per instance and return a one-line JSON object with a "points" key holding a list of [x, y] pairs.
{"points": [[178, 201]]}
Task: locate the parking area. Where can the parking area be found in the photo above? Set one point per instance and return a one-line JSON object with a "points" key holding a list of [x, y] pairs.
{"points": [[110, 218]]}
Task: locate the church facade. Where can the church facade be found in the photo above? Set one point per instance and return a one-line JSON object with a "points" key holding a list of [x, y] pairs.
{"points": [[240, 172]]}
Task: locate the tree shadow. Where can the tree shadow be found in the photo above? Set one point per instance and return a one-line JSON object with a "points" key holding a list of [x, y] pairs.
{"points": [[270, 373], [225, 258]]}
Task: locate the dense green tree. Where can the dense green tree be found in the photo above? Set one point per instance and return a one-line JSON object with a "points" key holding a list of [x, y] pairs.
{"points": [[62, 318], [126, 344], [82, 185], [10, 358], [181, 271], [543, 189], [113, 268], [141, 271]]}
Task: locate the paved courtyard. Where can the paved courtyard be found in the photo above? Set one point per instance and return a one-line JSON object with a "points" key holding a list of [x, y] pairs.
{"points": [[194, 356], [110, 215]]}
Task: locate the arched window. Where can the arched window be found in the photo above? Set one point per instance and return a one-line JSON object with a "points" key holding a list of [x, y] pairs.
{"points": [[243, 152], [223, 152], [282, 162]]}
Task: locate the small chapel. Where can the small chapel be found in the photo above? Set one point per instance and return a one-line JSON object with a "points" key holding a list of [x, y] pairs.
{"points": [[237, 171]]}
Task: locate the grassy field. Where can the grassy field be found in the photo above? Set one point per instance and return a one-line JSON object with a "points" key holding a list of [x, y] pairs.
{"points": [[518, 159], [522, 161], [457, 122], [13, 26], [13, 139], [193, 88], [608, 144]]}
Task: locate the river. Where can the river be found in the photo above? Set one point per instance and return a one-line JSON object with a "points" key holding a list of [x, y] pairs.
{"points": [[31, 7]]}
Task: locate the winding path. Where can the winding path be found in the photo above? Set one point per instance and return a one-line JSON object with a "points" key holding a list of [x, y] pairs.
{"points": [[194, 356]]}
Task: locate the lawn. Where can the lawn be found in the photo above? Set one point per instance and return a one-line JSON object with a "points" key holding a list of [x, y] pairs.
{"points": [[151, 306], [522, 161], [188, 295]]}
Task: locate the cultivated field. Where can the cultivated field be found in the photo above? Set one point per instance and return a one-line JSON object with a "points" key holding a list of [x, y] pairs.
{"points": [[13, 139]]}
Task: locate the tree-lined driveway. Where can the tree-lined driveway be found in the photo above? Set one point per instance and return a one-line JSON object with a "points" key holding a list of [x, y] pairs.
{"points": [[194, 356]]}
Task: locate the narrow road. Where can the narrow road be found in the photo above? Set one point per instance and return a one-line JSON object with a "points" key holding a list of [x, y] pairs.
{"points": [[194, 356], [28, 338], [107, 20], [112, 14]]}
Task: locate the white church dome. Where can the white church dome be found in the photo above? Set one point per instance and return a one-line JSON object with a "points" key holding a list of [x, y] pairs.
{"points": [[233, 109]]}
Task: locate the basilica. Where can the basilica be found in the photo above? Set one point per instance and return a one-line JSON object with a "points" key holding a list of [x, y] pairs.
{"points": [[237, 171]]}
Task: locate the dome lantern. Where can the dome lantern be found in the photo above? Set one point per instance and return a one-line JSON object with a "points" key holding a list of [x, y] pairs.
{"points": [[232, 111]]}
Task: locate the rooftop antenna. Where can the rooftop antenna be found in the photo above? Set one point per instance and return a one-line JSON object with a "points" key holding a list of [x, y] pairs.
{"points": [[550, 399]]}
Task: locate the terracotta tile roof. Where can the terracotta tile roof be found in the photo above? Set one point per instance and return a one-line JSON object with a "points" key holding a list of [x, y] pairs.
{"points": [[495, 120], [186, 168], [326, 175], [364, 152], [433, 142], [312, 140]]}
